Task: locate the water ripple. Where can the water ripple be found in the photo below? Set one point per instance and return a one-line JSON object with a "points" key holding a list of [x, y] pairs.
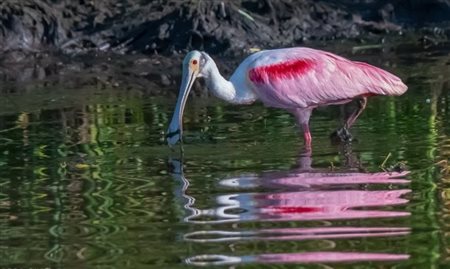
{"points": [[300, 258], [300, 194]]}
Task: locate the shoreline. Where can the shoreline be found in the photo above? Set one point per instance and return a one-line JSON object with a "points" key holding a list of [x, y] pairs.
{"points": [[226, 27], [159, 74]]}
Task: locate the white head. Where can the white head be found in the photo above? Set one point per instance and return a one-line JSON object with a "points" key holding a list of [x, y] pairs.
{"points": [[195, 64]]}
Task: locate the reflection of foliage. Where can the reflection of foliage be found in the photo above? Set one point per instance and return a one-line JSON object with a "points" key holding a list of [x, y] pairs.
{"points": [[76, 178], [445, 167]]}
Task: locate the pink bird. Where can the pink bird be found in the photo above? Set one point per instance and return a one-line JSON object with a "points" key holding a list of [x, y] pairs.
{"points": [[295, 79]]}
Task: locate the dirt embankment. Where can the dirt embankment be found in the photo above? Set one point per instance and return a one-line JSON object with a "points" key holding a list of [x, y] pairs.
{"points": [[217, 26], [49, 42]]}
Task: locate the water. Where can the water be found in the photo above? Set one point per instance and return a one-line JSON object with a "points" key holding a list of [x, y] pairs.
{"points": [[86, 180]]}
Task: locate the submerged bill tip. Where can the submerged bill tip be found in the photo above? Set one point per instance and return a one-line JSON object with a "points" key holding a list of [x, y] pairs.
{"points": [[173, 137]]}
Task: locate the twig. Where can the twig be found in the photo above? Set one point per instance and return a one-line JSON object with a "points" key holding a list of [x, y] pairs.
{"points": [[385, 160]]}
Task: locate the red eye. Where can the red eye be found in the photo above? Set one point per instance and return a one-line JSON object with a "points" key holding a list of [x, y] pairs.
{"points": [[194, 62]]}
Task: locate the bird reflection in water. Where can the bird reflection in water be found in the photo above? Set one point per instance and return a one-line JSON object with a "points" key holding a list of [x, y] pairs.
{"points": [[300, 194]]}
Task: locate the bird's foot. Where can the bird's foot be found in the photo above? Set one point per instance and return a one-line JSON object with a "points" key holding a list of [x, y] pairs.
{"points": [[341, 135]]}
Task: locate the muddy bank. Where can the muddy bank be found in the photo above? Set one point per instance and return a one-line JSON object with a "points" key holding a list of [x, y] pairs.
{"points": [[140, 44], [101, 71], [219, 27], [158, 75]]}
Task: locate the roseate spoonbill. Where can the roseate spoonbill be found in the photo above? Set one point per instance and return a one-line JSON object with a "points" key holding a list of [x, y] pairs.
{"points": [[295, 79]]}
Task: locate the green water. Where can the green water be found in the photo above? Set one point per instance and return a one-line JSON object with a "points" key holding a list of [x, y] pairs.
{"points": [[86, 180]]}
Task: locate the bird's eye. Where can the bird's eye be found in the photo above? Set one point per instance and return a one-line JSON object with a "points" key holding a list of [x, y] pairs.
{"points": [[194, 62]]}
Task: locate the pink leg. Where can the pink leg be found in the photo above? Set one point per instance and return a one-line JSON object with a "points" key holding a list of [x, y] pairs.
{"points": [[306, 133], [307, 136], [302, 116]]}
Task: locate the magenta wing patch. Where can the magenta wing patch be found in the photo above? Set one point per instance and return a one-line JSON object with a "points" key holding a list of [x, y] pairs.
{"points": [[282, 70]]}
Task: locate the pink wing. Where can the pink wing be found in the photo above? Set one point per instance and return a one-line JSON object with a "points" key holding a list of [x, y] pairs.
{"points": [[304, 77]]}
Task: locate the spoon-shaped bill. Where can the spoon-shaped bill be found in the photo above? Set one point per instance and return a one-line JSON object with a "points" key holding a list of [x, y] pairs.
{"points": [[175, 131]]}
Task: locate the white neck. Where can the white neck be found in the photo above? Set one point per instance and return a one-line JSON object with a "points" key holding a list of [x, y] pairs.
{"points": [[219, 86]]}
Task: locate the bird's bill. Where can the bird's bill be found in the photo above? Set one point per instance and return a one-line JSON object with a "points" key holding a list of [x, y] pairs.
{"points": [[175, 131]]}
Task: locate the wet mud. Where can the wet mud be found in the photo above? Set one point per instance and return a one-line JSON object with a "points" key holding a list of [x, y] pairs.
{"points": [[227, 26], [131, 43]]}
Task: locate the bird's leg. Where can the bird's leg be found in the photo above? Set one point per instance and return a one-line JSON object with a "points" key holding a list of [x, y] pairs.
{"points": [[343, 133], [306, 133], [302, 116], [304, 160], [362, 102]]}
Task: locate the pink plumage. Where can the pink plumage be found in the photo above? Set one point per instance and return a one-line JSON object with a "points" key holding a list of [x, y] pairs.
{"points": [[295, 79], [304, 77]]}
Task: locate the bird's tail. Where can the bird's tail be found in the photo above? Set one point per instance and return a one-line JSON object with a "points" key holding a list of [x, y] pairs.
{"points": [[383, 82]]}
